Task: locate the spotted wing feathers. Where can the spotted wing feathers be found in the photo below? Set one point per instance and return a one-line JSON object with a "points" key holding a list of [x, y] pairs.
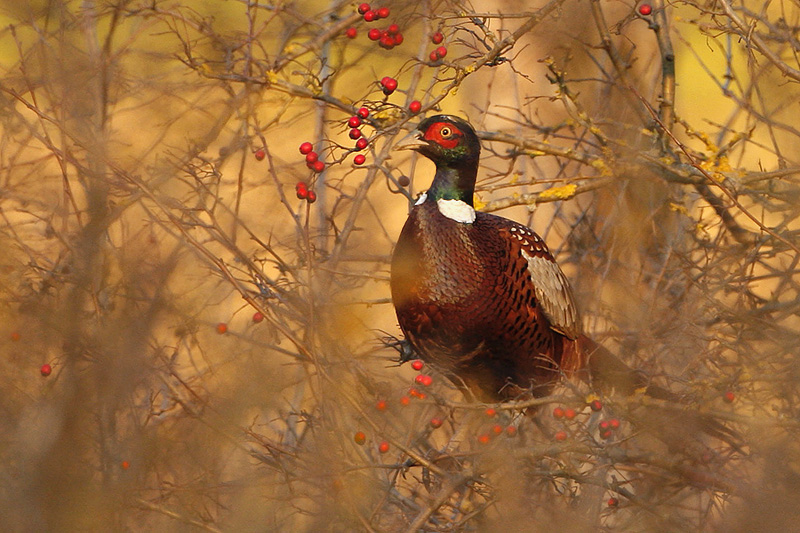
{"points": [[551, 286]]}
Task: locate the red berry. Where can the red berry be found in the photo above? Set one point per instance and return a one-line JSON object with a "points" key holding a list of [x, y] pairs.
{"points": [[645, 9], [222, 328], [434, 56], [125, 465], [596, 405], [558, 412], [354, 122], [560, 435], [383, 12], [404, 181], [606, 434], [437, 37], [484, 438], [311, 158], [302, 190], [318, 167], [398, 39], [359, 159], [260, 154], [363, 8], [46, 370], [422, 395], [386, 42], [306, 148], [603, 425], [389, 84], [362, 112], [312, 197], [381, 405], [417, 365], [415, 107], [426, 380], [613, 502], [613, 423], [441, 51], [511, 431], [412, 391], [729, 397], [369, 16], [361, 143], [258, 316], [405, 400], [360, 438], [491, 412], [497, 429], [383, 447], [392, 29], [355, 133], [351, 33], [374, 34], [569, 413], [436, 422], [15, 336]]}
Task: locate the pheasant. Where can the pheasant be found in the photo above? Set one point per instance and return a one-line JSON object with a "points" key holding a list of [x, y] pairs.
{"points": [[480, 296]]}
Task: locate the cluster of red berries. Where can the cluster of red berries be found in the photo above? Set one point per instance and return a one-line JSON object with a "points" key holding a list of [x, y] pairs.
{"points": [[354, 123], [304, 193], [424, 379], [388, 38], [495, 429], [414, 392], [439, 52], [608, 427], [371, 15], [360, 438], [388, 85], [312, 158], [559, 412]]}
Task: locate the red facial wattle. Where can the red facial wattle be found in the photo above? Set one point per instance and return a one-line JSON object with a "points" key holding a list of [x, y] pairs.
{"points": [[444, 134]]}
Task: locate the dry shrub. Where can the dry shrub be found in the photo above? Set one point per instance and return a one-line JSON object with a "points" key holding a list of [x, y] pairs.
{"points": [[149, 163]]}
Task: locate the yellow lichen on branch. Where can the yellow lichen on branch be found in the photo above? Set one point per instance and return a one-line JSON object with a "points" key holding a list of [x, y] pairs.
{"points": [[564, 192]]}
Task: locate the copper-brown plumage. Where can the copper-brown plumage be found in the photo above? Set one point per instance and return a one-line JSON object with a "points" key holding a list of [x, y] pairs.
{"points": [[484, 300], [466, 302]]}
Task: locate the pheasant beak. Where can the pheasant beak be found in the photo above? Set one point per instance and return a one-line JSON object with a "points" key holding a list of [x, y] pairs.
{"points": [[412, 141]]}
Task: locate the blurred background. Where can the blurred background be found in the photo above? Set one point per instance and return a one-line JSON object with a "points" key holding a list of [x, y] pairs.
{"points": [[196, 322]]}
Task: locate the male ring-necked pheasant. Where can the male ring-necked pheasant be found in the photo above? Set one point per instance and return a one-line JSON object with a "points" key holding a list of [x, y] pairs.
{"points": [[480, 296]]}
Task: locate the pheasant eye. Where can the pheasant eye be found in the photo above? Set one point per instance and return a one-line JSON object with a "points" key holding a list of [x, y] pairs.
{"points": [[445, 132]]}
